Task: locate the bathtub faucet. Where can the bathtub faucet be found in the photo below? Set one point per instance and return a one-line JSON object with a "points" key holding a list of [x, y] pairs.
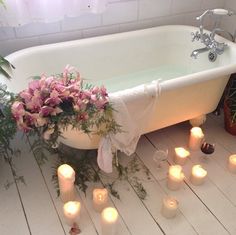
{"points": [[208, 39]]}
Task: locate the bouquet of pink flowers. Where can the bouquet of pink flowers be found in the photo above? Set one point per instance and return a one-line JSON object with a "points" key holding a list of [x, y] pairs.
{"points": [[53, 102]]}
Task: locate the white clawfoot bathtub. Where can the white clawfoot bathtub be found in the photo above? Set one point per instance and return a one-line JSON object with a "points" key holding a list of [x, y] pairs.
{"points": [[189, 87]]}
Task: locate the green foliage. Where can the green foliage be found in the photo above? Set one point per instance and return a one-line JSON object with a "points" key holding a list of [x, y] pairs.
{"points": [[86, 171], [231, 97], [7, 124]]}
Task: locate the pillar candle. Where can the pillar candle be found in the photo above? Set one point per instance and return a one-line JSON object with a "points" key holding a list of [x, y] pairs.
{"points": [[109, 221], [198, 175], [169, 207], [100, 199], [232, 163], [196, 138], [71, 212], [181, 156], [66, 179], [175, 177]]}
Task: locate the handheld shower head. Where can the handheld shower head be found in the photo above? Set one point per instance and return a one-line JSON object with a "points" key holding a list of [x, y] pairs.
{"points": [[222, 12]]}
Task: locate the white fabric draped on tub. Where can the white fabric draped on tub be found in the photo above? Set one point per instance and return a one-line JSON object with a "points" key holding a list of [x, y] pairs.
{"points": [[20, 12], [132, 121]]}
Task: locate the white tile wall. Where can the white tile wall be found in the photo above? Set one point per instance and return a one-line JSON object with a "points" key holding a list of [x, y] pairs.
{"points": [[121, 15], [183, 6], [229, 23], [154, 8], [120, 12]]}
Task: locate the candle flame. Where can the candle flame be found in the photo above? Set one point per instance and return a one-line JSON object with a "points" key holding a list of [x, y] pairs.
{"points": [[110, 214], [197, 131], [66, 170], [232, 159], [198, 171], [72, 207], [176, 171], [182, 152]]}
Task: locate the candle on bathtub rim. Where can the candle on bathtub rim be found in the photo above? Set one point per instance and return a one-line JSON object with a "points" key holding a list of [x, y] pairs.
{"points": [[175, 177], [66, 179], [109, 221], [196, 138], [198, 175], [100, 199], [232, 163], [71, 212], [169, 207], [181, 156]]}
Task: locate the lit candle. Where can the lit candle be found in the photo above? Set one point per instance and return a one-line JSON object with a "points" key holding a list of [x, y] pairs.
{"points": [[232, 163], [66, 179], [181, 156], [100, 199], [198, 175], [169, 207], [71, 212], [175, 177], [109, 220], [196, 138]]}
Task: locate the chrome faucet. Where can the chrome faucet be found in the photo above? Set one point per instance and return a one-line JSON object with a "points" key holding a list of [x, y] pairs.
{"points": [[196, 52], [208, 40]]}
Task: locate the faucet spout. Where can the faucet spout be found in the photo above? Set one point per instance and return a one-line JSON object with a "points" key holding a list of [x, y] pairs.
{"points": [[196, 52]]}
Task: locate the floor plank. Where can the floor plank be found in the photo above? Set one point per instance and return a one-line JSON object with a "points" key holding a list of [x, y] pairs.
{"points": [[35, 196], [221, 206], [189, 202], [12, 219]]}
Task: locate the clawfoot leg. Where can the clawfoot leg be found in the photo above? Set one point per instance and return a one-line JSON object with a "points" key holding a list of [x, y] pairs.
{"points": [[198, 121]]}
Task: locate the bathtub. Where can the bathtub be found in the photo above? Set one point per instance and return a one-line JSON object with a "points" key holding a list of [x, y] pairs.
{"points": [[189, 87]]}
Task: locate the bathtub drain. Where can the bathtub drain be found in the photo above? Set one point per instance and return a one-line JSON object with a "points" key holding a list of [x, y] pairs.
{"points": [[212, 56]]}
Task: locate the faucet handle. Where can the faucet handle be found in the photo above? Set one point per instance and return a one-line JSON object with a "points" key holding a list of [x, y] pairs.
{"points": [[195, 36]]}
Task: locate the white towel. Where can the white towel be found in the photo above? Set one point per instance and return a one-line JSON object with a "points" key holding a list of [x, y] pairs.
{"points": [[133, 108]]}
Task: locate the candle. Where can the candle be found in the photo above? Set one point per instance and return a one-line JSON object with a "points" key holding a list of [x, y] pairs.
{"points": [[175, 177], [71, 212], [196, 138], [169, 207], [232, 163], [181, 156], [100, 199], [109, 220], [66, 179], [198, 175]]}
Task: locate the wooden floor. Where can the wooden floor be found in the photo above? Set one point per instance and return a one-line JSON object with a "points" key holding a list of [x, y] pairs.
{"points": [[34, 208]]}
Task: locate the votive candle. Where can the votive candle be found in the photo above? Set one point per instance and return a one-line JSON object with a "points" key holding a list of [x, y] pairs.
{"points": [[198, 175], [181, 155], [232, 163], [66, 179], [100, 199], [196, 138], [71, 212], [175, 177], [169, 207], [109, 221]]}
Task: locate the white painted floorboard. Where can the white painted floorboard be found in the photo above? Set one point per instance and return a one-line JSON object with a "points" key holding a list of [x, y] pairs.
{"points": [[35, 209]]}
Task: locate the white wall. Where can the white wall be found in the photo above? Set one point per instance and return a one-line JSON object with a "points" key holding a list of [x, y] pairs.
{"points": [[121, 15], [229, 23]]}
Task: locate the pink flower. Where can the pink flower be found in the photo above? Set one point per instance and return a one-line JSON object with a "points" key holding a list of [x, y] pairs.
{"points": [[18, 110], [54, 99], [46, 111], [83, 116], [103, 91], [25, 95], [35, 84]]}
